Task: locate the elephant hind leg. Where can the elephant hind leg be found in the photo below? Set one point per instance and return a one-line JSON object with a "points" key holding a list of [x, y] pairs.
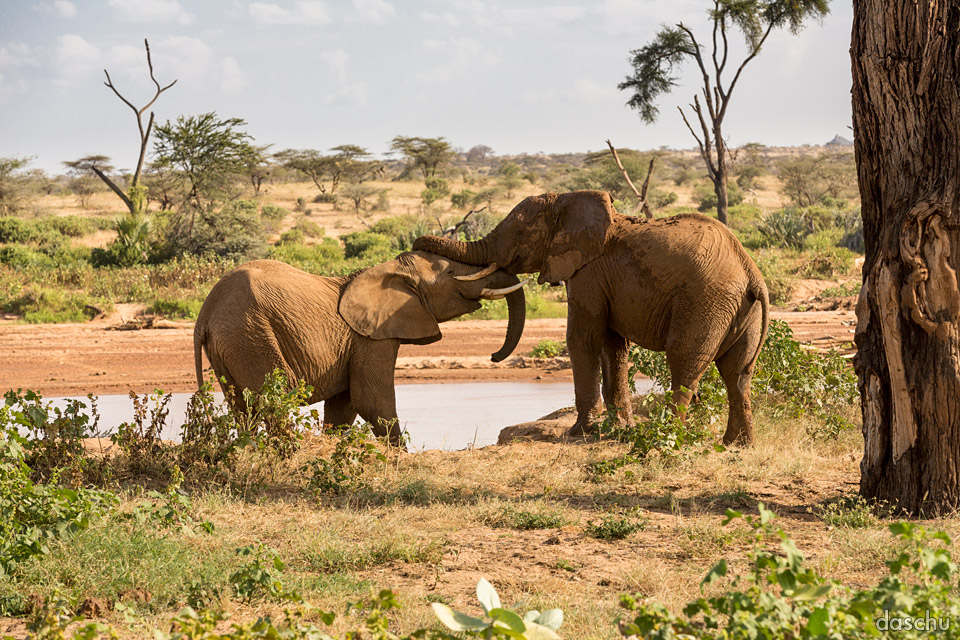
{"points": [[338, 410], [736, 368], [685, 373]]}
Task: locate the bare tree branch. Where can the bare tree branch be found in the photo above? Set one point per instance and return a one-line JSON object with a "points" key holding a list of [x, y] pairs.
{"points": [[642, 204], [452, 232]]}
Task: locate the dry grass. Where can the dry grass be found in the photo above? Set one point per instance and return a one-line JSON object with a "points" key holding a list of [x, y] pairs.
{"points": [[429, 525]]}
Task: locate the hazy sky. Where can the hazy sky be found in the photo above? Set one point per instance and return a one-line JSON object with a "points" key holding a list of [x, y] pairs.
{"points": [[519, 76]]}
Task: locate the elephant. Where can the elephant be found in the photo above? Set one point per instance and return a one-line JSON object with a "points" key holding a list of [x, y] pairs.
{"points": [[683, 285], [341, 335]]}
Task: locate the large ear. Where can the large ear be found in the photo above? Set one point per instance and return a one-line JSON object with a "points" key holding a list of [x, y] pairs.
{"points": [[382, 303], [583, 218]]}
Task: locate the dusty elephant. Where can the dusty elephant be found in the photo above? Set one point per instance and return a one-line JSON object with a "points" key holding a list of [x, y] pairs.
{"points": [[341, 334], [683, 285]]}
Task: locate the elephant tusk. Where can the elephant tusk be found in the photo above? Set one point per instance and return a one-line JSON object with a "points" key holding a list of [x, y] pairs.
{"points": [[496, 294], [483, 273]]}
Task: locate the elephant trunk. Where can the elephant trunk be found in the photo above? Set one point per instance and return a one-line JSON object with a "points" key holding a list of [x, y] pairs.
{"points": [[517, 306], [468, 252]]}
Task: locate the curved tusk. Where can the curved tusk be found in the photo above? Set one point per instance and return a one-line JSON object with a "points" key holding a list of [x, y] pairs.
{"points": [[496, 294], [483, 273]]}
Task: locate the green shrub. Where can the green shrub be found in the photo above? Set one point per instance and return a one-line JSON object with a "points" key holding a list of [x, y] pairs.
{"points": [[780, 597], [786, 227], [706, 198], [325, 198], [548, 349], [826, 264], [368, 247], [436, 188], [17, 230], [177, 308], [261, 576], [347, 469], [273, 212], [309, 228], [849, 512], [779, 284], [614, 527], [323, 258], [462, 198], [42, 306], [661, 199], [291, 236], [402, 230], [853, 231], [527, 519], [75, 226], [18, 255]]}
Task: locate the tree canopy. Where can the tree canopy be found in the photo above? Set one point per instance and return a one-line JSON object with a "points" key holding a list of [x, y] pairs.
{"points": [[427, 154]]}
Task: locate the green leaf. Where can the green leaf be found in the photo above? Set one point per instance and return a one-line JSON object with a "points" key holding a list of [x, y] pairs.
{"points": [[456, 621], [487, 596], [508, 618], [811, 592], [718, 570], [817, 623]]}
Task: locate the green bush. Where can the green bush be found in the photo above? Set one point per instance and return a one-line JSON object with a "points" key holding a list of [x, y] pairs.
{"points": [[661, 199], [614, 527], [178, 308], [75, 226], [323, 258], [780, 597], [291, 236], [273, 212], [368, 247], [40, 305], [18, 255], [706, 198], [309, 228], [786, 227], [826, 264], [436, 188], [548, 349], [853, 231], [462, 198], [17, 230]]}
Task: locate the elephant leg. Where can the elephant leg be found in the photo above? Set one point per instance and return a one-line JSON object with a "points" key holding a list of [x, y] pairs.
{"points": [[614, 364], [585, 341], [338, 410], [736, 368], [686, 369], [371, 387]]}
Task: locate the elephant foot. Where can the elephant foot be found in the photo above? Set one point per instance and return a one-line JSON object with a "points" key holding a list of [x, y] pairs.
{"points": [[581, 428], [738, 437]]}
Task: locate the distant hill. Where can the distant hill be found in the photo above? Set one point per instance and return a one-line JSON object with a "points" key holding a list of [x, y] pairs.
{"points": [[839, 141]]}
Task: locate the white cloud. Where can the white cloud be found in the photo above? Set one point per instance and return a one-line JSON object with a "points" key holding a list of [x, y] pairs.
{"points": [[304, 12], [351, 95], [16, 54], [74, 55], [64, 9], [151, 11], [232, 77], [185, 58], [591, 92], [336, 61], [461, 56], [376, 11], [446, 17]]}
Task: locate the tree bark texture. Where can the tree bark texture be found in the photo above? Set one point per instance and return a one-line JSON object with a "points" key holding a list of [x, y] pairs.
{"points": [[906, 117]]}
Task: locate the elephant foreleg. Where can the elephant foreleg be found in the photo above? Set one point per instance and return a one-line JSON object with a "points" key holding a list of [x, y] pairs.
{"points": [[614, 363], [371, 387], [338, 410], [585, 341]]}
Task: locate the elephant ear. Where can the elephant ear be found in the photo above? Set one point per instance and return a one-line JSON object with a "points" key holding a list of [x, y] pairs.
{"points": [[579, 234], [382, 304]]}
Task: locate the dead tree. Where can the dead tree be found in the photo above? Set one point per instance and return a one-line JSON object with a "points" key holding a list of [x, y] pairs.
{"points": [[134, 197], [642, 203], [906, 118]]}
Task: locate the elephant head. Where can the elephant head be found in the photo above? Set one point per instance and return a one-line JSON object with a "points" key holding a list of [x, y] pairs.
{"points": [[555, 234], [407, 297]]}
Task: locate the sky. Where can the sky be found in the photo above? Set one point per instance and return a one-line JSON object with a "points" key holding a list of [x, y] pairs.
{"points": [[520, 76]]}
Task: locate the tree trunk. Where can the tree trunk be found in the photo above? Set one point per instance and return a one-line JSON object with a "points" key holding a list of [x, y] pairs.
{"points": [[720, 179], [906, 117]]}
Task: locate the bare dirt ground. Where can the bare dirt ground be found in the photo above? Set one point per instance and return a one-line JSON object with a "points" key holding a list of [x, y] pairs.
{"points": [[100, 358]]}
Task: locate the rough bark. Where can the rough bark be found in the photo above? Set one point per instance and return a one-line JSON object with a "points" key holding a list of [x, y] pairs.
{"points": [[906, 117]]}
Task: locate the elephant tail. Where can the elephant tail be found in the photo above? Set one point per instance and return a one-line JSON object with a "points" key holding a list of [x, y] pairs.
{"points": [[199, 337], [758, 291]]}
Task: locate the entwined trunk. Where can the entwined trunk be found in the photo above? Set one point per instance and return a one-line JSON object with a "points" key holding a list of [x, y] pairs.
{"points": [[906, 117]]}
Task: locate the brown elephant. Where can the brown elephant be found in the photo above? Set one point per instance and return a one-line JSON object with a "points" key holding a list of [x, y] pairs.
{"points": [[341, 334], [683, 285]]}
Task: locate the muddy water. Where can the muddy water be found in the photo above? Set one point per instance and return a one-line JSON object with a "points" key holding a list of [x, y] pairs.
{"points": [[437, 416]]}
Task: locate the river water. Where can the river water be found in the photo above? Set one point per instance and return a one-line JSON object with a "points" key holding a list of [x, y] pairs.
{"points": [[437, 416]]}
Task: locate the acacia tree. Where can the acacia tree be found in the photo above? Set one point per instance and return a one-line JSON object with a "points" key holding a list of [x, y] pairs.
{"points": [[206, 151], [655, 65], [135, 196], [906, 120], [427, 154]]}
